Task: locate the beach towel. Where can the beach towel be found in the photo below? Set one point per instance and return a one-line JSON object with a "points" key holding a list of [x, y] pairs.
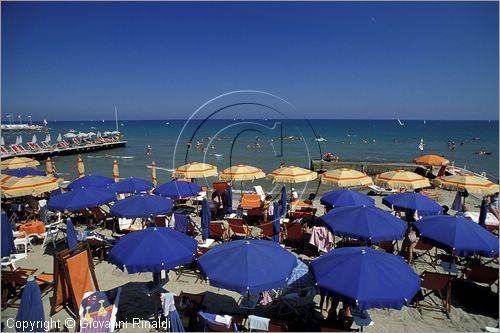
{"points": [[322, 238], [258, 323], [98, 311], [181, 223], [79, 275]]}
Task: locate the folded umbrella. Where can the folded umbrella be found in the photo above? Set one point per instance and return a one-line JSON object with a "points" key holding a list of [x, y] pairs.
{"points": [[31, 308], [206, 216], [8, 246]]}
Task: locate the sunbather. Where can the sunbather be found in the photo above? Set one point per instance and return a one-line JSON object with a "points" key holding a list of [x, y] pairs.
{"points": [[409, 244]]}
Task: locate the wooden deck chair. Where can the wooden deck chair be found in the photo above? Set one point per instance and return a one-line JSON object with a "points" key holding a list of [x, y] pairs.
{"points": [[74, 275], [160, 221], [267, 230], [99, 215], [254, 215], [294, 234], [220, 186], [3, 150], [46, 145], [238, 228], [15, 149], [435, 282], [217, 231], [481, 274], [21, 147], [306, 216], [423, 249], [250, 201], [14, 281], [188, 306]]}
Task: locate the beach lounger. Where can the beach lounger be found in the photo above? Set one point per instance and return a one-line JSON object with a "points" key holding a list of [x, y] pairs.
{"points": [[250, 201], [481, 274], [218, 323], [32, 146], [294, 234], [435, 282], [217, 231], [267, 230], [238, 228], [220, 186], [14, 281], [15, 149], [491, 221], [45, 145], [382, 191], [3, 150], [21, 147], [99, 307]]}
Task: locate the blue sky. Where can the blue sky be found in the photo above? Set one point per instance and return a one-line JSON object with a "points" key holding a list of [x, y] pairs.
{"points": [[162, 60]]}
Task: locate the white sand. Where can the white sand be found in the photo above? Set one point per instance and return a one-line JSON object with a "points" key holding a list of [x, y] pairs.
{"points": [[473, 306]]}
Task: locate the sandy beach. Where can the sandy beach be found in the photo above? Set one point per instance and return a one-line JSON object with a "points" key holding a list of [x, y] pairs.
{"points": [[473, 306]]}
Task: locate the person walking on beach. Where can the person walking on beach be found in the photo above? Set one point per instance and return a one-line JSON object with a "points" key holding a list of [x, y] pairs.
{"points": [[149, 150]]}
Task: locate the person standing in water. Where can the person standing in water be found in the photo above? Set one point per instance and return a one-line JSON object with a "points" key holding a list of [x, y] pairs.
{"points": [[149, 150]]}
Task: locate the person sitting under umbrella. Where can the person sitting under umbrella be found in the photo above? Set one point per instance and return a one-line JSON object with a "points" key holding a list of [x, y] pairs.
{"points": [[409, 243]]}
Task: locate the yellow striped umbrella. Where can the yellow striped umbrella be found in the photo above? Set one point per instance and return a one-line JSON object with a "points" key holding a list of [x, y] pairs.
{"points": [[401, 179], [345, 177], [241, 172], [431, 160], [49, 166], [80, 166], [153, 174], [13, 187], [292, 174], [471, 183], [19, 162], [116, 172], [195, 170]]}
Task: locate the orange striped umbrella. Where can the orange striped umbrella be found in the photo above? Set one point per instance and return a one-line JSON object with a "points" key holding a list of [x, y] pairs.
{"points": [[292, 174], [49, 166], [19, 162], [431, 160], [116, 171], [471, 183], [195, 170], [153, 174], [241, 172], [345, 177], [401, 179], [80, 166], [13, 187]]}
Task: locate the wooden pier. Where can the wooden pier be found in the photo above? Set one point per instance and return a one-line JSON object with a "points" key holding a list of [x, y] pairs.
{"points": [[43, 154], [370, 168]]}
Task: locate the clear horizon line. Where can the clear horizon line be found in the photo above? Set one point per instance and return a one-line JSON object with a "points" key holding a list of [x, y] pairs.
{"points": [[184, 119]]}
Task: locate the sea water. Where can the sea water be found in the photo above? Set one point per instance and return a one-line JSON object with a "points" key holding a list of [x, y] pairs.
{"points": [[235, 141]]}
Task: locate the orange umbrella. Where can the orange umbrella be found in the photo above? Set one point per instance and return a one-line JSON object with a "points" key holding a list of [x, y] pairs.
{"points": [[471, 183], [345, 177], [153, 174], [50, 167], [13, 187], [401, 179], [80, 166], [431, 160], [19, 162], [116, 172]]}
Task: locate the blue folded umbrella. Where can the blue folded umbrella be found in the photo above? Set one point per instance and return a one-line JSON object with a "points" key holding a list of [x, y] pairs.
{"points": [[131, 185], [283, 201], [366, 277], [229, 200], [141, 206], [276, 222], [8, 246], [22, 172], [81, 198], [71, 237], [458, 234], [206, 216], [367, 223], [410, 202], [152, 249], [178, 189], [248, 266], [91, 181], [342, 198], [31, 308]]}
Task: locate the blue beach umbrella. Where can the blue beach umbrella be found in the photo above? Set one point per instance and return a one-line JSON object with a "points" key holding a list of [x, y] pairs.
{"points": [[152, 250], [22, 172], [229, 200], [31, 308], [206, 216], [276, 222], [342, 198], [483, 213], [81, 198], [131, 185], [300, 277], [366, 277], [367, 223], [410, 202], [283, 201], [141, 206], [178, 189], [91, 181], [247, 266], [71, 235], [8, 246], [458, 234]]}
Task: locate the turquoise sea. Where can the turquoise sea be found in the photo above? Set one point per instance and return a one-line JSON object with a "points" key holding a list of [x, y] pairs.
{"points": [[370, 140]]}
